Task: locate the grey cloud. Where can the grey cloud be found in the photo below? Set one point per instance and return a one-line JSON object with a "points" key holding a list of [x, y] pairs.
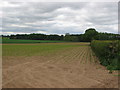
{"points": [[59, 17]]}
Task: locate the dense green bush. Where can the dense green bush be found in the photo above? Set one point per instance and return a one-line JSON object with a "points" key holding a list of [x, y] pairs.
{"points": [[108, 53]]}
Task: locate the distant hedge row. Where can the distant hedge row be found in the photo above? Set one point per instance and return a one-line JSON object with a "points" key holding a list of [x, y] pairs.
{"points": [[108, 53]]}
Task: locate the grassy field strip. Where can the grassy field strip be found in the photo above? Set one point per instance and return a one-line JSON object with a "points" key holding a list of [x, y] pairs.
{"points": [[10, 41], [31, 50]]}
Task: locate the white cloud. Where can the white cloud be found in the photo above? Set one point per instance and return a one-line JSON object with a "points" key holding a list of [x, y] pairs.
{"points": [[7, 4], [59, 18], [7, 33], [19, 26], [42, 32]]}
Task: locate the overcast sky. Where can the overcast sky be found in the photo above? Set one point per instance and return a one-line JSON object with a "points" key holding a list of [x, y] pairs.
{"points": [[58, 17]]}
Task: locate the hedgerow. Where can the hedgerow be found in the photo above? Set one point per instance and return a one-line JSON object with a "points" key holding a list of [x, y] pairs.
{"points": [[108, 53]]}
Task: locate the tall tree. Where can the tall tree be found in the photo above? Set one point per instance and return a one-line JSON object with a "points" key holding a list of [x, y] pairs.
{"points": [[90, 34]]}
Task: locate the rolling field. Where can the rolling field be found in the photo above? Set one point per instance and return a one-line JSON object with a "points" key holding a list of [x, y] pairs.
{"points": [[54, 65]]}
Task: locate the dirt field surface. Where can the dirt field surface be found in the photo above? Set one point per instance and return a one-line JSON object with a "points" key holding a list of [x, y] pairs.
{"points": [[69, 68]]}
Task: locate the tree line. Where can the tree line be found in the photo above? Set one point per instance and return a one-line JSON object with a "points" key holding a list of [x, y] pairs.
{"points": [[89, 35], [35, 36]]}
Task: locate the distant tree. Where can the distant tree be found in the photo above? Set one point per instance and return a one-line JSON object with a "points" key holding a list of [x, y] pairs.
{"points": [[72, 38], [108, 36], [90, 34], [67, 33]]}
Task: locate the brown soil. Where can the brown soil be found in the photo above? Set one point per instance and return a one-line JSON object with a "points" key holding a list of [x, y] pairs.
{"points": [[74, 68]]}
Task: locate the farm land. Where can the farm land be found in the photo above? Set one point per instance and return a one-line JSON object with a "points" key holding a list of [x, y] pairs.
{"points": [[54, 65], [57, 45]]}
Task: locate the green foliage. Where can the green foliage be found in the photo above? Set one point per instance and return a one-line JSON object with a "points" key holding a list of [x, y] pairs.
{"points": [[90, 34], [107, 36], [71, 38], [37, 36], [28, 41], [108, 53]]}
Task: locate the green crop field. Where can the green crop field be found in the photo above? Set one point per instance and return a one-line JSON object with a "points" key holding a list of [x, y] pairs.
{"points": [[34, 49], [28, 41]]}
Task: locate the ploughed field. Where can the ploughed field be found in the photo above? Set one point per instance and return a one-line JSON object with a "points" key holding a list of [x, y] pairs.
{"points": [[54, 65]]}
